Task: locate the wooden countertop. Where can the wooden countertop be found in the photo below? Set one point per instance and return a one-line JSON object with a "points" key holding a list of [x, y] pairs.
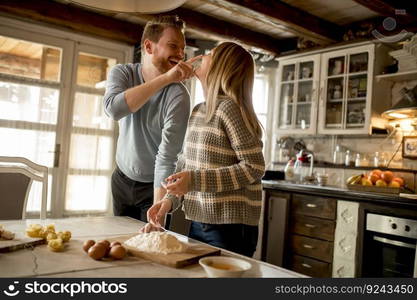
{"points": [[74, 262]]}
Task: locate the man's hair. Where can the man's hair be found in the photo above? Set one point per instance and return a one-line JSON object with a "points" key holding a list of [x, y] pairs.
{"points": [[154, 28]]}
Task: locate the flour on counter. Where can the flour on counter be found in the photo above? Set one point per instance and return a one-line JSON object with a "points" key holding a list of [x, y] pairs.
{"points": [[159, 242]]}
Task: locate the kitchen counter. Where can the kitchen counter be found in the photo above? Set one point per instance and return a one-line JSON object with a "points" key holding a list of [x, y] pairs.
{"points": [[340, 193], [74, 262]]}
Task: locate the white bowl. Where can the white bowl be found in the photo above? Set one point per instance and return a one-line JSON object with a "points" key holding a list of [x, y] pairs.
{"points": [[224, 266]]}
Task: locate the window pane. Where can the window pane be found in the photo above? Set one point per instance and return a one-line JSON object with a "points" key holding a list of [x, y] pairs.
{"points": [[35, 196], [87, 193], [92, 70], [28, 103], [91, 152], [28, 59], [199, 94], [32, 144], [260, 91], [89, 112]]}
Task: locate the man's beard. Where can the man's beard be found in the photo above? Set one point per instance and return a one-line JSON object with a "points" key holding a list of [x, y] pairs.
{"points": [[162, 65]]}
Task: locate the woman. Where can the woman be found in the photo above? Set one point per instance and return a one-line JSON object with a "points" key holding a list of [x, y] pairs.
{"points": [[222, 161]]}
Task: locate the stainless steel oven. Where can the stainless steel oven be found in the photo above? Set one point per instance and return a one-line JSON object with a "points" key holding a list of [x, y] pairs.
{"points": [[389, 248]]}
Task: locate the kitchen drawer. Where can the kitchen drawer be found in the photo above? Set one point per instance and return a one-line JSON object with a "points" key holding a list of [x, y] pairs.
{"points": [[313, 227], [310, 267], [314, 206], [314, 248]]}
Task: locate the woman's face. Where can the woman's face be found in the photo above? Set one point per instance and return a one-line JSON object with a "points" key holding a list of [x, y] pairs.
{"points": [[201, 72]]}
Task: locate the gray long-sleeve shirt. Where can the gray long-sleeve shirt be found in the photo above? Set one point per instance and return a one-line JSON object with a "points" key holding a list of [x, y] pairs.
{"points": [[150, 138]]}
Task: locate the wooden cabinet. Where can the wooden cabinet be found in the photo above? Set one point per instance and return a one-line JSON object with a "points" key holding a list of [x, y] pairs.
{"points": [[275, 224], [298, 95], [311, 235], [333, 91]]}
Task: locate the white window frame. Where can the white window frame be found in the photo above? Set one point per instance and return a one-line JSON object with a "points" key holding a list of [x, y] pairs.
{"points": [[70, 42]]}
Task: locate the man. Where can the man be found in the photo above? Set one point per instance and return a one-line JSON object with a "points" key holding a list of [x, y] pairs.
{"points": [[152, 107]]}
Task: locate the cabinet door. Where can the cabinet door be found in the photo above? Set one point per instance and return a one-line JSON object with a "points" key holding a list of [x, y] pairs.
{"points": [[275, 226], [346, 91], [298, 95]]}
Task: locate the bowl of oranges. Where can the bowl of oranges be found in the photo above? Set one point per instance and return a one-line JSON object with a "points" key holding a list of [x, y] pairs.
{"points": [[376, 181]]}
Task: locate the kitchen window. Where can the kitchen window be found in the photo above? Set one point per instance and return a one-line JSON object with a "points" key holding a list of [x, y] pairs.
{"points": [[51, 112]]}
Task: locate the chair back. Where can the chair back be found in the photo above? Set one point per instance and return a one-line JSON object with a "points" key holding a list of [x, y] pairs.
{"points": [[16, 177]]}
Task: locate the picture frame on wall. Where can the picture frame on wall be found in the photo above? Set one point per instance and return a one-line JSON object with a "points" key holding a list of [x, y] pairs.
{"points": [[410, 147]]}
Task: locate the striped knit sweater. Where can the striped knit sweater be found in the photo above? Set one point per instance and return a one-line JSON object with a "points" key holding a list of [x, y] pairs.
{"points": [[226, 164]]}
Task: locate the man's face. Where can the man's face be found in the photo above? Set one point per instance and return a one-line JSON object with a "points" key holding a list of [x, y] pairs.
{"points": [[168, 50]]}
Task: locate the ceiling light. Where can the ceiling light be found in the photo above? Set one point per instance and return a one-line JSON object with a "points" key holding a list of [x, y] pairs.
{"points": [[142, 6]]}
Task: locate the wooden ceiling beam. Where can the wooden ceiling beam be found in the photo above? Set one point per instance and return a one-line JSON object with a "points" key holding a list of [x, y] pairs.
{"points": [[300, 22], [228, 31], [74, 18], [402, 11]]}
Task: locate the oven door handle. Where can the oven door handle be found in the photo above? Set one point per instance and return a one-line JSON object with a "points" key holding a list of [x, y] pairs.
{"points": [[395, 243]]}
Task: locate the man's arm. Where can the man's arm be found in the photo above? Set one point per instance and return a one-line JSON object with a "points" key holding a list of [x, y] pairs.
{"points": [[175, 125], [120, 100]]}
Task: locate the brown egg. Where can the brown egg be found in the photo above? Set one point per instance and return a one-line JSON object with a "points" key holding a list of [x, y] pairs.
{"points": [[105, 242], [97, 252], [88, 244], [114, 244], [117, 252]]}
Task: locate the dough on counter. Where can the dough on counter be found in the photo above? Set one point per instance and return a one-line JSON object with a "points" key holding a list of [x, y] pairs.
{"points": [[156, 241]]}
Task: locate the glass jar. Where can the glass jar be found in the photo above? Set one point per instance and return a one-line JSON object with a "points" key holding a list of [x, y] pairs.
{"points": [[347, 158], [337, 156], [289, 171], [358, 160]]}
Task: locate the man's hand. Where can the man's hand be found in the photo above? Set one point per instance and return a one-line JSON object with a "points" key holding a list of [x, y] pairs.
{"points": [[157, 212], [179, 183], [183, 70]]}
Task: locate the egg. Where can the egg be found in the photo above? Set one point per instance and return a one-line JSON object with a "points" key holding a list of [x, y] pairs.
{"points": [[117, 252], [97, 252], [104, 242], [114, 244], [88, 244]]}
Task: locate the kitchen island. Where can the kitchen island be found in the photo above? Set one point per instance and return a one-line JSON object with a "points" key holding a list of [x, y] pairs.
{"points": [[38, 261]]}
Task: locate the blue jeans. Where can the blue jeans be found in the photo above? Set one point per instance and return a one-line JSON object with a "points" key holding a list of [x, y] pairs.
{"points": [[238, 238]]}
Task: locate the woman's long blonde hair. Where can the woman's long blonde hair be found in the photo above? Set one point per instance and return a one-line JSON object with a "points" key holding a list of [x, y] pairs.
{"points": [[231, 74]]}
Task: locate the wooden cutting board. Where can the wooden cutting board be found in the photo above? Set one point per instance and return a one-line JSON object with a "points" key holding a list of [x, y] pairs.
{"points": [[19, 242], [175, 260]]}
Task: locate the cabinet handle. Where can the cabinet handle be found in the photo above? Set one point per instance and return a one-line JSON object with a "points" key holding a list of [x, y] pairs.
{"points": [[311, 205], [310, 225], [308, 246], [306, 266]]}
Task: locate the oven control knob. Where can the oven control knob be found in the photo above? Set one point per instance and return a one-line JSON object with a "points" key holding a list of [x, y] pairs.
{"points": [[407, 228], [394, 226]]}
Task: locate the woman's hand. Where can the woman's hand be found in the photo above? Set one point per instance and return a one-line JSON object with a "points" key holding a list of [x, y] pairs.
{"points": [[149, 228], [179, 183], [156, 213]]}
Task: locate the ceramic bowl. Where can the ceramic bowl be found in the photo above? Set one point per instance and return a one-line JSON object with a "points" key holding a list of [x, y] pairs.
{"points": [[224, 266]]}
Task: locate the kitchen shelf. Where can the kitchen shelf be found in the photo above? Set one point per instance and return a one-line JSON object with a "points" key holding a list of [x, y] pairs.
{"points": [[357, 99], [400, 76], [358, 73], [336, 76]]}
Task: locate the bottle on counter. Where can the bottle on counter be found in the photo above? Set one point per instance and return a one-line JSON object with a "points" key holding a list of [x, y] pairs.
{"points": [[358, 160], [289, 170], [338, 156], [300, 168], [347, 158]]}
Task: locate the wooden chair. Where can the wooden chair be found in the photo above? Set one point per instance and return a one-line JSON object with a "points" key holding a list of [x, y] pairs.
{"points": [[16, 177]]}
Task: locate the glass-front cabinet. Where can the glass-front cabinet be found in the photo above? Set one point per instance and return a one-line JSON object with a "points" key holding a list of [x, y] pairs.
{"points": [[346, 91], [298, 95]]}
